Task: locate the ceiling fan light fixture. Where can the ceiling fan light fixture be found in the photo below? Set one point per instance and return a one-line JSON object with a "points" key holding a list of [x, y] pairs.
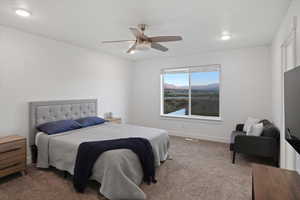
{"points": [[22, 12], [132, 52], [225, 36], [143, 46]]}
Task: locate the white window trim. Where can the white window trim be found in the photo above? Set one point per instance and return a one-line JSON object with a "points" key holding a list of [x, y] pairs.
{"points": [[197, 117]]}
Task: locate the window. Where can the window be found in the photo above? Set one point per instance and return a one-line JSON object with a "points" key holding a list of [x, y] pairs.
{"points": [[191, 92]]}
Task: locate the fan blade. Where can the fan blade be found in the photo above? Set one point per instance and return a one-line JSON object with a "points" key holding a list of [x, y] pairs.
{"points": [[132, 48], [158, 47], [165, 38], [115, 41]]}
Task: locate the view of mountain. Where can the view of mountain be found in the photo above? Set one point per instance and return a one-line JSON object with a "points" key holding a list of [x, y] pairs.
{"points": [[211, 87]]}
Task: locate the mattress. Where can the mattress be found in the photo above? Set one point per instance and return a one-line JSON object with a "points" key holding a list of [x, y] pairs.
{"points": [[119, 171]]}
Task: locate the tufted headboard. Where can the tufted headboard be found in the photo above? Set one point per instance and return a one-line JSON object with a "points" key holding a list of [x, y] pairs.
{"points": [[47, 111]]}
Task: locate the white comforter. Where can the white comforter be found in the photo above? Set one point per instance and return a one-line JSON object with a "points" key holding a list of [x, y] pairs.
{"points": [[119, 171]]}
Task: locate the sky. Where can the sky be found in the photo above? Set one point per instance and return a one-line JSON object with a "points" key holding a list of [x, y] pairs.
{"points": [[197, 78]]}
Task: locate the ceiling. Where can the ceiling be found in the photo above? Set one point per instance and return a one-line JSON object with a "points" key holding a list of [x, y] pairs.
{"points": [[88, 22]]}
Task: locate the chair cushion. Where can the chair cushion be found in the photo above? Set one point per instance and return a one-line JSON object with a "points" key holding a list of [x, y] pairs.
{"points": [[265, 122], [270, 131], [250, 122], [256, 129]]}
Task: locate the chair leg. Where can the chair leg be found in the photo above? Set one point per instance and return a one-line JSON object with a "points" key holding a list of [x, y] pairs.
{"points": [[233, 157]]}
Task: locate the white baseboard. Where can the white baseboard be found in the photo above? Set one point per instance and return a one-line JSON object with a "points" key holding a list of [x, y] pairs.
{"points": [[200, 137]]}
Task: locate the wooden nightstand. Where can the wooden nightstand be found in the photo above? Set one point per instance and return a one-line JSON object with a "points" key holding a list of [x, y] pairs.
{"points": [[115, 120], [12, 155]]}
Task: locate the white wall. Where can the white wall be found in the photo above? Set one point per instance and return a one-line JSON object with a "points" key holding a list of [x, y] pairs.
{"points": [[245, 91], [288, 159], [34, 68]]}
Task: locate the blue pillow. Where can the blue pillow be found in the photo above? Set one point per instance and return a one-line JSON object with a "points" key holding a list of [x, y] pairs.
{"points": [[58, 126], [90, 121]]}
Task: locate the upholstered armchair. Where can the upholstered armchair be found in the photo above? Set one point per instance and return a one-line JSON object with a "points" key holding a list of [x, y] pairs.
{"points": [[266, 145]]}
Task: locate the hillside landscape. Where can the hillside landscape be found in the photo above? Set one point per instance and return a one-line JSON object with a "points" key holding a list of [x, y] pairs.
{"points": [[204, 100]]}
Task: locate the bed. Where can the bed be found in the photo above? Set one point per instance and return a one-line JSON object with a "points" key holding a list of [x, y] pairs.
{"points": [[119, 172]]}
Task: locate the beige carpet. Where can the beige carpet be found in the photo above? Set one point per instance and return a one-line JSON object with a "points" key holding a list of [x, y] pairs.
{"points": [[199, 170]]}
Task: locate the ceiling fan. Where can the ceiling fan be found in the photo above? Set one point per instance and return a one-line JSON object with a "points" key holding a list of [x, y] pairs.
{"points": [[143, 42]]}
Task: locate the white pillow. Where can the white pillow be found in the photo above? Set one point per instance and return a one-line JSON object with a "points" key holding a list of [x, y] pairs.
{"points": [[256, 129], [249, 122]]}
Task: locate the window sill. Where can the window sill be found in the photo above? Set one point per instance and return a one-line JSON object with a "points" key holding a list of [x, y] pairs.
{"points": [[203, 118]]}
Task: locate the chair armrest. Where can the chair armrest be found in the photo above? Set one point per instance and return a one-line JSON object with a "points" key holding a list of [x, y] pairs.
{"points": [[256, 145], [239, 127]]}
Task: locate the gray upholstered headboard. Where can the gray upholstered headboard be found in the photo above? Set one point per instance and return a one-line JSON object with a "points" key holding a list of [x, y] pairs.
{"points": [[47, 111]]}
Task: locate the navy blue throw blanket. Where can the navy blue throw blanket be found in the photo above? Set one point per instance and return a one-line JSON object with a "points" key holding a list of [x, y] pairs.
{"points": [[88, 153]]}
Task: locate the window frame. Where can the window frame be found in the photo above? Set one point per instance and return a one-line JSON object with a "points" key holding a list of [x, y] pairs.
{"points": [[190, 69]]}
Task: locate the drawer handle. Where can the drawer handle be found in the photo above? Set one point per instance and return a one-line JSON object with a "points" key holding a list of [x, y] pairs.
{"points": [[15, 149], [13, 165]]}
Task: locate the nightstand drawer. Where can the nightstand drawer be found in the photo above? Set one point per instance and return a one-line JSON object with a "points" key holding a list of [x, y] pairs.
{"points": [[12, 146], [13, 153], [12, 161], [12, 169]]}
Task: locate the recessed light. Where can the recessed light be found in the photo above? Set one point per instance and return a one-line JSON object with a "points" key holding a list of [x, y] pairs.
{"points": [[23, 13], [225, 37], [132, 52]]}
